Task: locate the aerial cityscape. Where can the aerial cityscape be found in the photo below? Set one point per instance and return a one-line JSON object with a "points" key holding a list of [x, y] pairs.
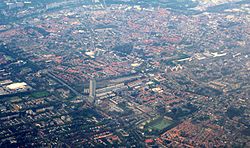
{"points": [[125, 73]]}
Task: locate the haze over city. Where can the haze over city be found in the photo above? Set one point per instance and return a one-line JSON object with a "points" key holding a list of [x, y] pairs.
{"points": [[125, 73]]}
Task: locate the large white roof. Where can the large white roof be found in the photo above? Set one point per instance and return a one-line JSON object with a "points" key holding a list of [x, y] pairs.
{"points": [[20, 85]]}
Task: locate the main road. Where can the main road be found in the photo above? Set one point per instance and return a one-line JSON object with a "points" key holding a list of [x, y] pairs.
{"points": [[64, 84]]}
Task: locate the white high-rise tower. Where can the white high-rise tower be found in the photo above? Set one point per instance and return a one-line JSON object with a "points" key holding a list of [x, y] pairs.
{"points": [[92, 88]]}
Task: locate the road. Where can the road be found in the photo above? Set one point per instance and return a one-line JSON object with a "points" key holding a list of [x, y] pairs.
{"points": [[64, 84]]}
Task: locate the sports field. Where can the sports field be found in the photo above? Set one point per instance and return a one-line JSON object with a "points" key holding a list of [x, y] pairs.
{"points": [[159, 124]]}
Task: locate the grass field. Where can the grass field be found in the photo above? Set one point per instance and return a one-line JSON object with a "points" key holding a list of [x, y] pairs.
{"points": [[159, 124], [8, 58], [40, 94]]}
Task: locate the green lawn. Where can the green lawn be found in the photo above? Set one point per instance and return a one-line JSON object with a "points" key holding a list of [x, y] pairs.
{"points": [[40, 94], [8, 58], [159, 124]]}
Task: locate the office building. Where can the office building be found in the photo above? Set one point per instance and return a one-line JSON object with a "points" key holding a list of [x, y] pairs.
{"points": [[92, 88]]}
